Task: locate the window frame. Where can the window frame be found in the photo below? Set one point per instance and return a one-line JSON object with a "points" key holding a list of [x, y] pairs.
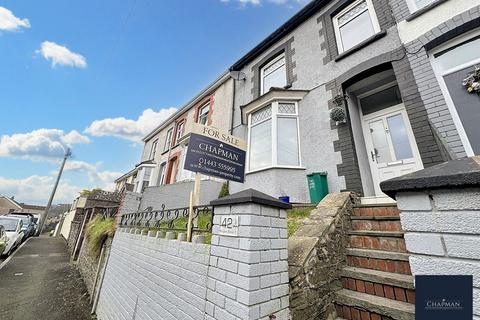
{"points": [[161, 173], [413, 7], [199, 116], [153, 149], [439, 74], [268, 64], [180, 125], [274, 135], [168, 140], [336, 26]]}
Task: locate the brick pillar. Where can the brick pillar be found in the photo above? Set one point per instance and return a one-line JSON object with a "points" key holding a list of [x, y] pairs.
{"points": [[248, 270]]}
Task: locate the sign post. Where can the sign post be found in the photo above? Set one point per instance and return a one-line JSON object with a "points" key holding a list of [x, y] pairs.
{"points": [[213, 152]]}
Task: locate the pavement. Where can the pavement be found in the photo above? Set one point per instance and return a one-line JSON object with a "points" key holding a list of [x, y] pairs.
{"points": [[39, 282]]}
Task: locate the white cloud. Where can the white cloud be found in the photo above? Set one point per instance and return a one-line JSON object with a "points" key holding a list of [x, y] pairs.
{"points": [[41, 144], [101, 179], [36, 189], [133, 130], [61, 55], [8, 21]]}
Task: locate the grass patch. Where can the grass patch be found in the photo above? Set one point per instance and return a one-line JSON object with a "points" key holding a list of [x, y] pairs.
{"points": [[97, 231], [295, 218]]}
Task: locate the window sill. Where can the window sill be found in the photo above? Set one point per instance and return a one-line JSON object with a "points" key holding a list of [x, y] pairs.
{"points": [[421, 11], [274, 167], [361, 45]]}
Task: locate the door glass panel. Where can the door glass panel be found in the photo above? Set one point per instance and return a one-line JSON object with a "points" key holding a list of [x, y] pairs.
{"points": [[381, 100], [399, 135], [379, 141]]}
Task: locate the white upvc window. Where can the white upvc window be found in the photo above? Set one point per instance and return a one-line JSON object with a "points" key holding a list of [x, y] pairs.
{"points": [[153, 150], [273, 74], [203, 114], [180, 130], [354, 24], [273, 137], [168, 140], [414, 5], [161, 174], [185, 174]]}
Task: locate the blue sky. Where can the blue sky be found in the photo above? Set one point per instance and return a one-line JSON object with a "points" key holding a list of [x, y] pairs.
{"points": [[82, 74]]}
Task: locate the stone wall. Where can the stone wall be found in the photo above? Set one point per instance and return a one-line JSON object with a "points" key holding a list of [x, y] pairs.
{"points": [[242, 275], [87, 263], [316, 254]]}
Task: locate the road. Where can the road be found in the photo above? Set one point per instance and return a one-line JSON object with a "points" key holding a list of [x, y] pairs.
{"points": [[39, 282]]}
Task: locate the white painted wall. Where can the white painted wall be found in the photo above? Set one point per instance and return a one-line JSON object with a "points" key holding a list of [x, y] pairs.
{"points": [[67, 223], [442, 233], [411, 30]]}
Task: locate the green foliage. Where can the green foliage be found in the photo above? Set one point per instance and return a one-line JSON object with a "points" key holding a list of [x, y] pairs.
{"points": [[86, 192], [97, 231], [224, 191], [295, 218], [182, 223]]}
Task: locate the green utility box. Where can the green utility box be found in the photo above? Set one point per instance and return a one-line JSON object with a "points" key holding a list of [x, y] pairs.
{"points": [[317, 185]]}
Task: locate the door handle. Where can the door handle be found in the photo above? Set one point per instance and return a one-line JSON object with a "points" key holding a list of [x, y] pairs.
{"points": [[373, 156]]}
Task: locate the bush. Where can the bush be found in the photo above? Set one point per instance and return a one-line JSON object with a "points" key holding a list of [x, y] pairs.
{"points": [[97, 231], [224, 191]]}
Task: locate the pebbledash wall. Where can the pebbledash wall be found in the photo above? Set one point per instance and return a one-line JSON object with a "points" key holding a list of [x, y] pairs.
{"points": [[440, 214], [242, 276]]}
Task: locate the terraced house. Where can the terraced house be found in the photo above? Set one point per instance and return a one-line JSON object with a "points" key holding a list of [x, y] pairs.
{"points": [[349, 88], [160, 175]]}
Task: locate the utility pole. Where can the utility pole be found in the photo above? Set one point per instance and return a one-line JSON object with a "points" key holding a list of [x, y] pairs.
{"points": [[68, 153]]}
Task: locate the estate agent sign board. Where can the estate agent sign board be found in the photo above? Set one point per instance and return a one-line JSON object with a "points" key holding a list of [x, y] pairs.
{"points": [[215, 153]]}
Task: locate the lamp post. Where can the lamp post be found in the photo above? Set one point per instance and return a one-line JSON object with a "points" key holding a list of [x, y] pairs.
{"points": [[68, 154]]}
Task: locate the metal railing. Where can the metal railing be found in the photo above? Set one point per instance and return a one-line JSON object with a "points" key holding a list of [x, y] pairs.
{"points": [[170, 219]]}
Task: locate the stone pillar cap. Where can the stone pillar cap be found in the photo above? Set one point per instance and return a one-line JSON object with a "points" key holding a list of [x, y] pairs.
{"points": [[251, 196], [459, 173]]}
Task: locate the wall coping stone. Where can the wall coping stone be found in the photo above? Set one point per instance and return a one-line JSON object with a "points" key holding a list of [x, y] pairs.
{"points": [[251, 196], [459, 173]]}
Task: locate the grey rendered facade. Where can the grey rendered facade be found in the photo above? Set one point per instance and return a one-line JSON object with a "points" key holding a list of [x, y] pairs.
{"points": [[331, 79]]}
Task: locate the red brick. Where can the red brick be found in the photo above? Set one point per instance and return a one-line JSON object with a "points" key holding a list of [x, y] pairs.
{"points": [[346, 313], [344, 283], [410, 296], [351, 284], [389, 292], [369, 288], [381, 265], [360, 285], [356, 241], [375, 243], [365, 315], [379, 290], [367, 242], [390, 266], [355, 314], [339, 310], [400, 294], [375, 316]]}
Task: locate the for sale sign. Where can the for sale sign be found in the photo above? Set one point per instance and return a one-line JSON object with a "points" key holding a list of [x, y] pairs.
{"points": [[216, 153]]}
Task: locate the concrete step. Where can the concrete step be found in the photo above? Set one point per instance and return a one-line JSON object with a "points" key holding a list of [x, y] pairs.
{"points": [[380, 240], [393, 279], [374, 233], [355, 305], [380, 260], [376, 210], [379, 283]]}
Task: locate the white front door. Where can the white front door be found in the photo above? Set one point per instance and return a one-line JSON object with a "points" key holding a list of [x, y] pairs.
{"points": [[390, 144]]}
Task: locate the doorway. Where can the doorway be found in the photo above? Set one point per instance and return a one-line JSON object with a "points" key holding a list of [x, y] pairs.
{"points": [[389, 141]]}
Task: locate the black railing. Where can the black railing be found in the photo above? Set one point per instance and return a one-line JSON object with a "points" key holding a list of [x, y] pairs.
{"points": [[170, 219]]}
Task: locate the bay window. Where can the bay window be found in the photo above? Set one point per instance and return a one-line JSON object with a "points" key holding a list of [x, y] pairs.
{"points": [[273, 74], [354, 24], [274, 136]]}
